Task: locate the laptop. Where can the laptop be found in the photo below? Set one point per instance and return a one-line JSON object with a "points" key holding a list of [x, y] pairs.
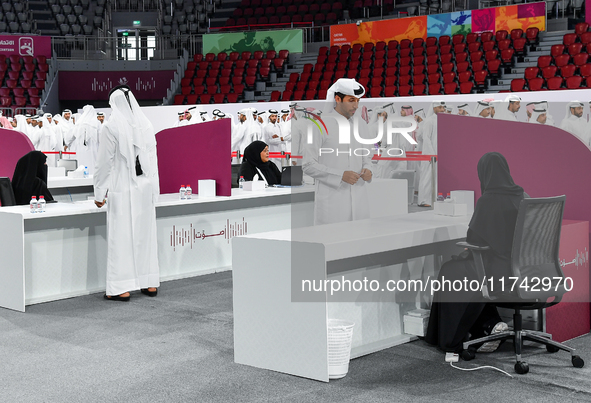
{"points": [[292, 176]]}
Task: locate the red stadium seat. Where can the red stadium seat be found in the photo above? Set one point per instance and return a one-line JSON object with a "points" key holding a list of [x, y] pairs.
{"points": [[449, 77], [250, 81], [504, 44], [516, 33], [562, 60], [391, 71], [192, 99], [434, 89], [393, 44], [474, 47], [519, 46], [433, 68], [569, 39], [234, 56], [554, 83], [493, 66], [444, 40], [404, 91], [457, 38], [465, 76], [419, 89], [205, 98], [41, 75], [487, 36], [290, 86], [478, 66], [585, 70], [434, 78], [380, 46], [464, 66], [405, 61], [298, 95], [488, 46], [33, 92], [507, 57], [376, 92], [431, 41], [568, 70], [390, 91], [575, 48], [491, 55], [184, 90], [310, 94], [419, 78], [405, 44], [460, 47], [444, 49], [286, 95], [5, 102], [531, 72], [544, 61], [501, 35], [212, 89], [574, 82], [339, 74], [197, 58], [480, 78], [225, 88], [179, 99], [232, 97], [531, 34], [404, 70], [404, 80], [219, 98], [20, 102], [431, 50], [450, 88], [476, 56], [557, 50], [581, 28], [586, 38], [12, 83], [461, 57], [535, 84], [418, 52], [466, 87], [13, 75]]}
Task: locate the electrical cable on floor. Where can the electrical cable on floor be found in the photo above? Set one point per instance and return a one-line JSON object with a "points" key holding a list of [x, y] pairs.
{"points": [[68, 190], [483, 367]]}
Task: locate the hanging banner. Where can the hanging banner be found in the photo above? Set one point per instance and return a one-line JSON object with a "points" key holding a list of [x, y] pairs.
{"points": [[96, 85], [521, 16], [251, 41], [25, 45]]}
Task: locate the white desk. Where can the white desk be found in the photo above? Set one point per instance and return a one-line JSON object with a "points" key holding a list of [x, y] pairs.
{"points": [[62, 253], [278, 327], [66, 189]]}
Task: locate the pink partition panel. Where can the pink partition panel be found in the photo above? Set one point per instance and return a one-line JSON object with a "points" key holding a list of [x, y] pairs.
{"points": [[189, 153], [13, 145], [544, 160]]}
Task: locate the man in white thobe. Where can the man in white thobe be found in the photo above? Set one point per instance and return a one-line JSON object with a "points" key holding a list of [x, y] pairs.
{"points": [[464, 110], [127, 170], [341, 173], [428, 133], [483, 109], [574, 122], [274, 137], [84, 138]]}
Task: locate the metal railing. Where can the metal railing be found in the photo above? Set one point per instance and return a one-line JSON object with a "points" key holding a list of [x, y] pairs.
{"points": [[114, 48], [140, 6]]}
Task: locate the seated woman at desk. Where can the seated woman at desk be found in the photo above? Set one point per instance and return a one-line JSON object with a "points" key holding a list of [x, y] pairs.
{"points": [[256, 163], [456, 316], [30, 178]]}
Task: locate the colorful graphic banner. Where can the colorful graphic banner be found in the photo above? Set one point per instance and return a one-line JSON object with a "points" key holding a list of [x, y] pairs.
{"points": [[251, 41], [25, 45], [521, 16], [93, 85]]}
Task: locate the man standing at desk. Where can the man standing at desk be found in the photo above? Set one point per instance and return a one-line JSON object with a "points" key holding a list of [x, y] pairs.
{"points": [[341, 170]]}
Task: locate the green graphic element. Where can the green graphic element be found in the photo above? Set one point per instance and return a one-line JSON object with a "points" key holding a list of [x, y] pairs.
{"points": [[317, 125], [252, 41], [461, 29]]}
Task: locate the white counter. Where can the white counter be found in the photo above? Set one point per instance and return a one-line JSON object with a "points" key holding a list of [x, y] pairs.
{"points": [[278, 326], [62, 253]]}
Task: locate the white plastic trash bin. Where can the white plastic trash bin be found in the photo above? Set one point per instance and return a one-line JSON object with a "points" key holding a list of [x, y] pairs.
{"points": [[340, 335]]}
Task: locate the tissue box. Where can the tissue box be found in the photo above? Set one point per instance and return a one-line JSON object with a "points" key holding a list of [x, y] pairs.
{"points": [[464, 197], [451, 209], [416, 322], [76, 174], [254, 185], [206, 188]]}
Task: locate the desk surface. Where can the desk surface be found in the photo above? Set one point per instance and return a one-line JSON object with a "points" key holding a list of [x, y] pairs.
{"points": [[350, 239], [57, 182], [164, 200]]}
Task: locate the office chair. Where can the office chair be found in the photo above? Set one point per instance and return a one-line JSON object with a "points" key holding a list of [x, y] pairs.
{"points": [[6, 193], [534, 255]]}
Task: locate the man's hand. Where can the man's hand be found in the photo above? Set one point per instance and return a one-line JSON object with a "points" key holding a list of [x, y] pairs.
{"points": [[366, 174], [65, 148], [275, 136], [350, 177], [99, 204]]}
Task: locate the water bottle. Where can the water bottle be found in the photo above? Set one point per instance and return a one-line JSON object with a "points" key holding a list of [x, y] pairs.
{"points": [[86, 172], [241, 182], [188, 192], [33, 205], [439, 197], [448, 198], [41, 204], [183, 192]]}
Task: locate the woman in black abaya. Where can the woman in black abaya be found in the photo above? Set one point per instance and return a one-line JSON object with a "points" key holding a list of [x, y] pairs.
{"points": [[456, 316], [256, 161], [30, 178]]}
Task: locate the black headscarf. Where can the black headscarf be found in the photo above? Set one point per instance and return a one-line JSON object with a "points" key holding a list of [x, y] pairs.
{"points": [[30, 178], [495, 214], [252, 161]]}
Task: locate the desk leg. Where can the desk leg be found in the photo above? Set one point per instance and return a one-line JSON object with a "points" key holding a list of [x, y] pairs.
{"points": [[12, 268]]}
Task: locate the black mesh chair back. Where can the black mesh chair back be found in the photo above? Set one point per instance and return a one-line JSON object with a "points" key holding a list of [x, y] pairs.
{"points": [[6, 193], [535, 248]]}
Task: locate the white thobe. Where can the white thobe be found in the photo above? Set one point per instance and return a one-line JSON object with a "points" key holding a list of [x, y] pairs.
{"points": [[132, 260], [276, 145], [335, 200], [428, 135], [576, 126]]}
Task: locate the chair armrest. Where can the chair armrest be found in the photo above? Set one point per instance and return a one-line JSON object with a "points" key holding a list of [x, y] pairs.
{"points": [[472, 247]]}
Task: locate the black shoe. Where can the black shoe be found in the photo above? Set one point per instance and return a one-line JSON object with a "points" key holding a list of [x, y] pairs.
{"points": [[117, 298], [145, 291]]}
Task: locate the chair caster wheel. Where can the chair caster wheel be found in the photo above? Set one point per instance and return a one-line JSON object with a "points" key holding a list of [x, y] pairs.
{"points": [[521, 367], [468, 355], [551, 349], [577, 361]]}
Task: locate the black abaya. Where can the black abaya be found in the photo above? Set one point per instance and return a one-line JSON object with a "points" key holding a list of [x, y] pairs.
{"points": [[252, 164], [30, 178], [455, 316]]}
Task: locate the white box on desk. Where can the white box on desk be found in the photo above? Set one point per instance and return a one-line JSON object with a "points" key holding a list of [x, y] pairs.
{"points": [[206, 188], [254, 186], [450, 209], [464, 197], [416, 325]]}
